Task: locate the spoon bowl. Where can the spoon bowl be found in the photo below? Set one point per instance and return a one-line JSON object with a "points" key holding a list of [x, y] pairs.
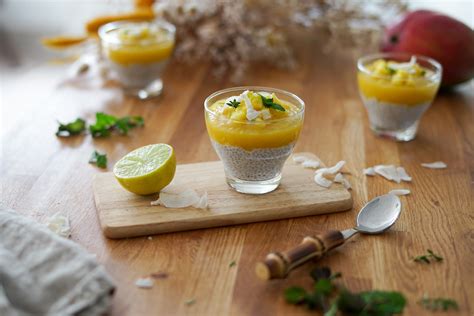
{"points": [[379, 214]]}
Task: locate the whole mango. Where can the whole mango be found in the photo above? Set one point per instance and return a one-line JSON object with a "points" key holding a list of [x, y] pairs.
{"points": [[438, 36]]}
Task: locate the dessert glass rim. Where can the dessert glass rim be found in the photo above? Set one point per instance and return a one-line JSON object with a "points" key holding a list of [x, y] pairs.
{"points": [[301, 104], [361, 62], [106, 28]]}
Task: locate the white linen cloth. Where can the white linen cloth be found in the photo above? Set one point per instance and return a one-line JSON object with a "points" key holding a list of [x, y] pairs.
{"points": [[45, 274]]}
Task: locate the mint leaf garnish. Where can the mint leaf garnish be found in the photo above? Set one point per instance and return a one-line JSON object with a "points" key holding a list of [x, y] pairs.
{"points": [[98, 159], [72, 128], [233, 103], [268, 103]]}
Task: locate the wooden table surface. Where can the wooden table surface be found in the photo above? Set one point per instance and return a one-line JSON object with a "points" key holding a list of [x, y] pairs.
{"points": [[42, 174]]}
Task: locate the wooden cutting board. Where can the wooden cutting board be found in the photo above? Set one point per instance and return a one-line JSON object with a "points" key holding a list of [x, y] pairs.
{"points": [[123, 214]]}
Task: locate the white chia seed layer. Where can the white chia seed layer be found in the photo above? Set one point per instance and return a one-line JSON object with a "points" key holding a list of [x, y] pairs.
{"points": [[393, 117], [255, 165], [137, 76]]}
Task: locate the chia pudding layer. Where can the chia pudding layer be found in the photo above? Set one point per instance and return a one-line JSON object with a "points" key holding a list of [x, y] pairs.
{"points": [[137, 76], [254, 165], [393, 117]]}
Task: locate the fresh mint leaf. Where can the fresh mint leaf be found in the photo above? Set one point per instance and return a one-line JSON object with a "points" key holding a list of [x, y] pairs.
{"points": [[295, 295], [383, 302], [440, 303], [233, 103], [323, 286], [73, 128], [428, 258], [268, 103], [100, 160], [106, 123], [232, 264]]}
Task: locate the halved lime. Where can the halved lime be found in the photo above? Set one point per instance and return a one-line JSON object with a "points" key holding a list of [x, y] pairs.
{"points": [[146, 170]]}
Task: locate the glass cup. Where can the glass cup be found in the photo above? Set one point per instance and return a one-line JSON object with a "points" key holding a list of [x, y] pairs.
{"points": [[253, 152], [137, 53], [396, 100]]}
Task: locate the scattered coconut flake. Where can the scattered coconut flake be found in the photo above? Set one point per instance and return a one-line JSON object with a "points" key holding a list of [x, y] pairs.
{"points": [[149, 238], [403, 174], [311, 164], [339, 178], [389, 172], [266, 115], [251, 112], [435, 165], [400, 192], [180, 200], [203, 201], [332, 170], [369, 171], [59, 224], [144, 283], [321, 180], [304, 156]]}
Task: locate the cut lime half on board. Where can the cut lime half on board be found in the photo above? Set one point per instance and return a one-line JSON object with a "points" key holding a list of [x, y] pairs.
{"points": [[146, 170]]}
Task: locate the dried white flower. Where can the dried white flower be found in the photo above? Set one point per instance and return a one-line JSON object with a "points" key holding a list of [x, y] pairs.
{"points": [[435, 165]]}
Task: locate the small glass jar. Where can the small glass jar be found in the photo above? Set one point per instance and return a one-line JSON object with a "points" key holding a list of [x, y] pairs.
{"points": [[253, 152], [396, 89], [137, 53]]}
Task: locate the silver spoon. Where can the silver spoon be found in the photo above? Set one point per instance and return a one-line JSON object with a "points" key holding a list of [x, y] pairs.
{"points": [[374, 218]]}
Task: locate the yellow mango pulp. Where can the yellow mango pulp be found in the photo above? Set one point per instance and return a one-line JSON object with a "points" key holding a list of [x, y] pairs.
{"points": [[407, 87], [229, 126], [142, 47]]}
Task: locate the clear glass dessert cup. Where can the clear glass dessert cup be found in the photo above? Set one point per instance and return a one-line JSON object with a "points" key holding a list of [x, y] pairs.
{"points": [[395, 107], [253, 152], [138, 63]]}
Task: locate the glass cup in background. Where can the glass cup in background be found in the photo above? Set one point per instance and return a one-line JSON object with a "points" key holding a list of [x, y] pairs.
{"points": [[395, 101], [137, 53], [253, 152]]}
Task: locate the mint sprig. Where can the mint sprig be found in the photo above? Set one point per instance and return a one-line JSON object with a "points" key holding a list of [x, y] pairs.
{"points": [[73, 128], [233, 103], [98, 159], [268, 103], [428, 258], [106, 123]]}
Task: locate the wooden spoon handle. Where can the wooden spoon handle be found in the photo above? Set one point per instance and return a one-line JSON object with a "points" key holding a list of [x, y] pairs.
{"points": [[279, 264]]}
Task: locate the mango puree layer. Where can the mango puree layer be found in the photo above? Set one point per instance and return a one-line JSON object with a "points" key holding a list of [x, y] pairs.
{"points": [[229, 126]]}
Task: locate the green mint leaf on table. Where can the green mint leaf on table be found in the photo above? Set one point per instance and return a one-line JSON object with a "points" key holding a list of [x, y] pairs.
{"points": [[440, 303], [232, 264], [428, 258], [331, 298], [100, 160], [72, 128], [295, 295], [268, 103], [106, 123], [233, 103]]}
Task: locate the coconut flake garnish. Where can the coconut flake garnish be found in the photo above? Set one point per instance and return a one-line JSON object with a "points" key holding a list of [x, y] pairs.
{"points": [[144, 283], [403, 174], [332, 170], [435, 165], [369, 171], [302, 157], [339, 178], [310, 164], [266, 115], [322, 181], [400, 192], [389, 172], [404, 66], [252, 114], [59, 224], [183, 199]]}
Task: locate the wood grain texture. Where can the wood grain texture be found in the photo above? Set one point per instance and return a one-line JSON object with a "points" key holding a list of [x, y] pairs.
{"points": [[42, 174], [123, 214]]}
